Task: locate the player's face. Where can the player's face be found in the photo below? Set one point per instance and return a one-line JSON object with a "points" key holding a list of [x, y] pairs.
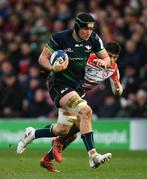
{"points": [[113, 57], [85, 33]]}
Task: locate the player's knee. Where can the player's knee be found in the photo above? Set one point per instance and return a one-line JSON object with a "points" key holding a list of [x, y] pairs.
{"points": [[76, 105], [85, 111], [61, 131]]}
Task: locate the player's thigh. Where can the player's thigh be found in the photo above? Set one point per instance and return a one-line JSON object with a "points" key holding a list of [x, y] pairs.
{"points": [[68, 99], [73, 102], [59, 91], [65, 117]]}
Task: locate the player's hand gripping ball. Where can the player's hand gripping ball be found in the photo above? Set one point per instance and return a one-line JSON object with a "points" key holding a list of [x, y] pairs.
{"points": [[59, 60]]}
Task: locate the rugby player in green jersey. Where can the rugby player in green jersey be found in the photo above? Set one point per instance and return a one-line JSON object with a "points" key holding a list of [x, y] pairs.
{"points": [[65, 84], [61, 142]]}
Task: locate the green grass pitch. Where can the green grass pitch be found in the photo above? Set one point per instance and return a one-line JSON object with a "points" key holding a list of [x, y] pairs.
{"points": [[123, 165]]}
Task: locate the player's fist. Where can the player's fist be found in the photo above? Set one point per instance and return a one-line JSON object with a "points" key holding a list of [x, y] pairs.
{"points": [[100, 63], [60, 67], [118, 89], [59, 61]]}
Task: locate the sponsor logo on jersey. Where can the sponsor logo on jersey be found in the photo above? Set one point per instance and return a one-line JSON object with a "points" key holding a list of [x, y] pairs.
{"points": [[88, 47], [68, 50], [78, 45], [77, 59]]}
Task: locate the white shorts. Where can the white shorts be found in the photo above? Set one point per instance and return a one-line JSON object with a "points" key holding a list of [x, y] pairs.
{"points": [[65, 117]]}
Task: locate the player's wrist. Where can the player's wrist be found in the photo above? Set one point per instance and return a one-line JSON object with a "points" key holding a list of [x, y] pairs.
{"points": [[108, 64]]}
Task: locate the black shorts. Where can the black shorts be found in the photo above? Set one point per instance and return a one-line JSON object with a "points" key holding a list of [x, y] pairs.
{"points": [[58, 91]]}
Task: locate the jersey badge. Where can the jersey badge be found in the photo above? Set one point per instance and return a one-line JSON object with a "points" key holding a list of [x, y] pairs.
{"points": [[88, 47]]}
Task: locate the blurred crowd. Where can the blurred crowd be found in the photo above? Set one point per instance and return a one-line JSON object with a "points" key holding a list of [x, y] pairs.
{"points": [[25, 26]]}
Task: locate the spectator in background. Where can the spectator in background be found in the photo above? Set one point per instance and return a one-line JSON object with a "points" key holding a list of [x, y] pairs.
{"points": [[126, 106], [14, 55], [132, 55], [26, 58], [110, 108], [38, 107], [64, 14], [135, 106], [3, 56], [130, 81], [25, 25], [58, 25], [6, 68], [33, 73], [11, 102], [140, 106], [33, 85]]}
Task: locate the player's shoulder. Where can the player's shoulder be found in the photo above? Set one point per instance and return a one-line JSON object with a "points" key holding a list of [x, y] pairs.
{"points": [[114, 66], [94, 36], [96, 42]]}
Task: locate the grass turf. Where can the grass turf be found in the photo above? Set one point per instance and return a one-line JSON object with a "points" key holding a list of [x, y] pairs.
{"points": [[124, 165]]}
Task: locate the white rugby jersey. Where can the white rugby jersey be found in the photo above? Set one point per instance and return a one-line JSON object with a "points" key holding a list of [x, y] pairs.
{"points": [[94, 75]]}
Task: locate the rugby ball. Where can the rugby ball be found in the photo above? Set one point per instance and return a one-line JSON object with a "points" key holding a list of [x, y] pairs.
{"points": [[58, 57]]}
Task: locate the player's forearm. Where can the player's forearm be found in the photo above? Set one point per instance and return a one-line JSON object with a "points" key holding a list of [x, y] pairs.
{"points": [[107, 61], [44, 62], [103, 59]]}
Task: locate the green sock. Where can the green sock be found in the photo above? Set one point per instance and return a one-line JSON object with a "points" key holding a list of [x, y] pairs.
{"points": [[45, 132]]}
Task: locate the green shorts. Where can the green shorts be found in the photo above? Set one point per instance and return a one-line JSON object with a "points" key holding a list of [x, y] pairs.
{"points": [[57, 91]]}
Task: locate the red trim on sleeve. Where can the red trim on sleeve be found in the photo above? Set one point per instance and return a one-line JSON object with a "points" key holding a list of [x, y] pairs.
{"points": [[115, 76], [91, 58]]}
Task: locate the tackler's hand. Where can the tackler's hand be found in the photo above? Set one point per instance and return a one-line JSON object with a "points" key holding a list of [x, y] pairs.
{"points": [[118, 89], [100, 63]]}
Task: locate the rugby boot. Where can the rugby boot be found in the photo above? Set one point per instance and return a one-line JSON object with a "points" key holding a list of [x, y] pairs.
{"points": [[26, 139], [46, 163]]}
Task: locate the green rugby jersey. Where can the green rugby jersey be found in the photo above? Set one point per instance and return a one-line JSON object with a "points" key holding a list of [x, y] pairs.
{"points": [[78, 53]]}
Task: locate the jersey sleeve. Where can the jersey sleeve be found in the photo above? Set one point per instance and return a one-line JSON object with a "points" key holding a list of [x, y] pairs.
{"points": [[92, 56], [97, 43], [54, 42], [114, 78]]}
